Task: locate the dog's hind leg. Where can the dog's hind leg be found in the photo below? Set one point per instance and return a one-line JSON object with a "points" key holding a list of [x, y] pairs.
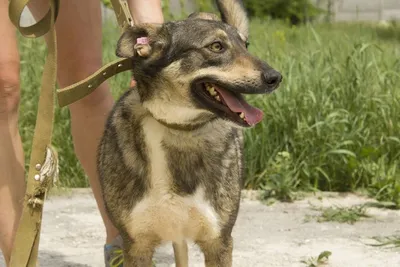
{"points": [[139, 252], [181, 254], [217, 252]]}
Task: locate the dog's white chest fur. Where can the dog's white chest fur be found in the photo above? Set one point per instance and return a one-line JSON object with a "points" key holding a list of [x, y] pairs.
{"points": [[171, 217]]}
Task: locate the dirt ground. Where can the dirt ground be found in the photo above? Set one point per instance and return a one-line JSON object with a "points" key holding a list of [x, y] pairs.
{"points": [[264, 236]]}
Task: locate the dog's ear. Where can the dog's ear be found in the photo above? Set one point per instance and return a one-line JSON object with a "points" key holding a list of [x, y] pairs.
{"points": [[142, 40], [234, 13], [203, 15]]}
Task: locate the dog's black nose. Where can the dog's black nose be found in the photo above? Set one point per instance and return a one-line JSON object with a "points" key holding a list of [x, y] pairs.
{"points": [[272, 78]]}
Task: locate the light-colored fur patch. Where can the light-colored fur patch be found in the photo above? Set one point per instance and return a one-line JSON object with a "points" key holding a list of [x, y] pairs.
{"points": [[171, 217], [242, 70], [233, 75]]}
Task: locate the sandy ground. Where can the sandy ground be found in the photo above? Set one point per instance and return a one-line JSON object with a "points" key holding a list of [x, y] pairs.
{"points": [[264, 236]]}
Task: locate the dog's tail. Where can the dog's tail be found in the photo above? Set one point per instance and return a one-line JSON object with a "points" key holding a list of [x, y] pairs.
{"points": [[181, 254], [234, 13]]}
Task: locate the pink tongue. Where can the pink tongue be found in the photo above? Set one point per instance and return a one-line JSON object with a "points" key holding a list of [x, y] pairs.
{"points": [[252, 115]]}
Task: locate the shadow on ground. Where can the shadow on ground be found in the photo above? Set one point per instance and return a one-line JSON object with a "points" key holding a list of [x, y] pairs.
{"points": [[52, 258]]}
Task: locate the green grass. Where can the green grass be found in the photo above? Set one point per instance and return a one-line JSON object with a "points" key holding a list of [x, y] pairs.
{"points": [[336, 113], [348, 215], [321, 260], [335, 118], [388, 241]]}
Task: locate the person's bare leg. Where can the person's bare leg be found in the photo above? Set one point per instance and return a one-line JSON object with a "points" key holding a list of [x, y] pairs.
{"points": [[79, 40], [146, 11], [12, 183]]}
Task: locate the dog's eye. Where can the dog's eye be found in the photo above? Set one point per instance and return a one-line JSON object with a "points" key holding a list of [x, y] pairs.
{"points": [[216, 47]]}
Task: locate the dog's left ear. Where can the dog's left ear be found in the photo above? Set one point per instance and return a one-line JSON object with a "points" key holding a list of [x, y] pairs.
{"points": [[142, 40], [203, 15], [234, 13]]}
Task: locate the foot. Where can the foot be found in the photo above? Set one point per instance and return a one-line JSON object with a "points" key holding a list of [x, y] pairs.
{"points": [[113, 254]]}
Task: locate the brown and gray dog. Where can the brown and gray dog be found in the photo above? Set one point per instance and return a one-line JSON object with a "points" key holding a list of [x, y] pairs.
{"points": [[171, 160]]}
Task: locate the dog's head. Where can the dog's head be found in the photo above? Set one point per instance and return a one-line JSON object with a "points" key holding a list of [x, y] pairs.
{"points": [[192, 71]]}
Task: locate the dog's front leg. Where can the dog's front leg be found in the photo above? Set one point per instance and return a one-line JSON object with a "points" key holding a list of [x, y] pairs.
{"points": [[217, 252], [181, 254], [139, 252]]}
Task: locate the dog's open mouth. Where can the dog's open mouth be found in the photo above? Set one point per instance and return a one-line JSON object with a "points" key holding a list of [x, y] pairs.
{"points": [[229, 104]]}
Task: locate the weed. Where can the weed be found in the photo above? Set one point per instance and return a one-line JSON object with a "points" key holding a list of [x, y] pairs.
{"points": [[382, 205], [319, 261], [280, 180], [388, 241], [348, 215]]}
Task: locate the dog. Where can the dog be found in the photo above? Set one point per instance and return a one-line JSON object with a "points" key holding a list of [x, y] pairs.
{"points": [[170, 160]]}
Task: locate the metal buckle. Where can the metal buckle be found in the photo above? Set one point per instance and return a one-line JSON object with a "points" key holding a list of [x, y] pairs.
{"points": [[127, 13]]}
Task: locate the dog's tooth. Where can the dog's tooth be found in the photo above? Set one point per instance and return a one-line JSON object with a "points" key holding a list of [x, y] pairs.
{"points": [[241, 115], [212, 91], [210, 88], [217, 98]]}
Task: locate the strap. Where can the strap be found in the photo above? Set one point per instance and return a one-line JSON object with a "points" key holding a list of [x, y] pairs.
{"points": [[15, 9], [43, 162], [73, 93]]}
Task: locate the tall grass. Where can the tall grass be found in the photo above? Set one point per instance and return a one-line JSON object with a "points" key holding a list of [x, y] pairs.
{"points": [[332, 125], [337, 112]]}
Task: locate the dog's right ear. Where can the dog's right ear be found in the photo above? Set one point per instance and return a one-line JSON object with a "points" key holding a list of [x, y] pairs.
{"points": [[141, 40]]}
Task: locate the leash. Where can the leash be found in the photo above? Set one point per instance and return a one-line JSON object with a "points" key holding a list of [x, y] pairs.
{"points": [[43, 165]]}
